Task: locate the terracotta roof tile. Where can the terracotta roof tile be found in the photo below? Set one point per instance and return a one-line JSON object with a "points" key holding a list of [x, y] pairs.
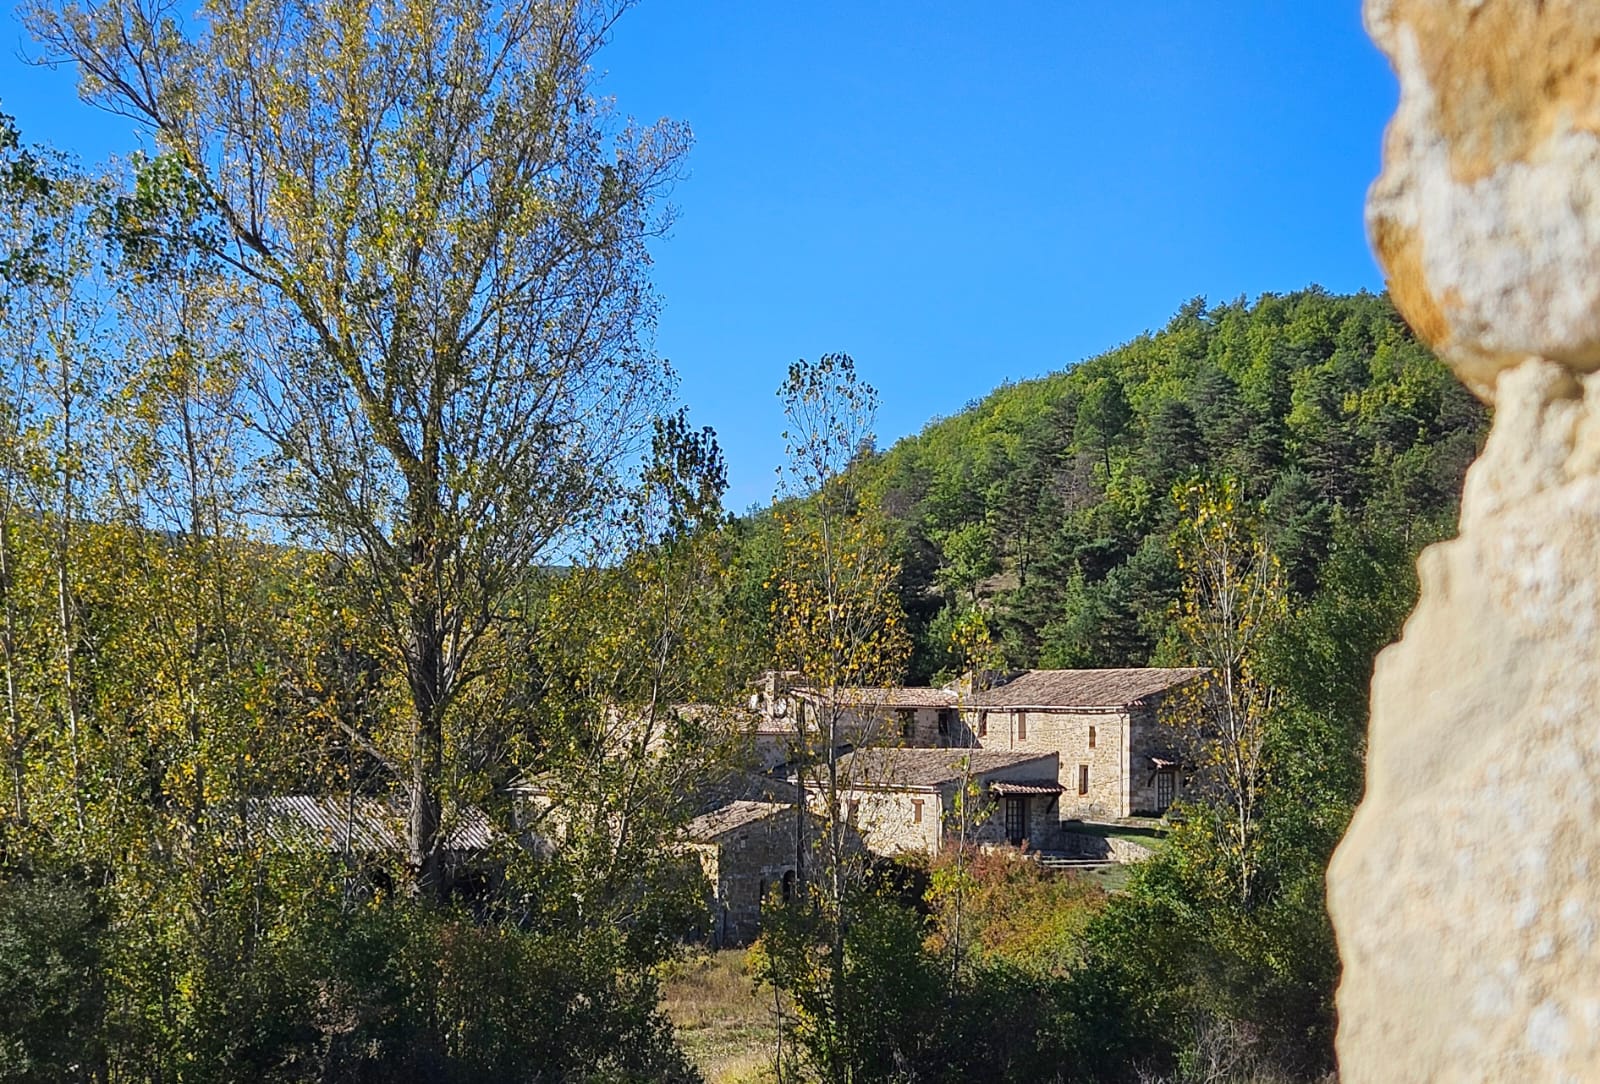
{"points": [[1026, 786]]}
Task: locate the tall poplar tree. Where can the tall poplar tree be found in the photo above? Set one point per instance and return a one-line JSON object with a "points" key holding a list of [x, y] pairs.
{"points": [[440, 232], [838, 622]]}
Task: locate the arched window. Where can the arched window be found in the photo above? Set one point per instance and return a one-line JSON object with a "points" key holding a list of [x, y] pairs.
{"points": [[788, 885]]}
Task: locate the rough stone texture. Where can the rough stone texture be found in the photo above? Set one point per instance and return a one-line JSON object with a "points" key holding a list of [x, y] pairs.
{"points": [[1466, 895], [895, 817], [1487, 215], [1122, 778], [1122, 851], [743, 860]]}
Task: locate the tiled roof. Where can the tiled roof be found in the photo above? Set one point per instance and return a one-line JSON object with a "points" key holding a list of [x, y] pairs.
{"points": [[1026, 786], [360, 825], [926, 767], [1083, 688], [708, 826], [895, 696]]}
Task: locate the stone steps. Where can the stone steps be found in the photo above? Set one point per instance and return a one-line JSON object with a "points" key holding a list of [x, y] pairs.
{"points": [[1063, 860]]}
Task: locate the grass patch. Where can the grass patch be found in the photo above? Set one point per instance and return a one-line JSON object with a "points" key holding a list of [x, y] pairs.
{"points": [[1112, 878], [723, 1021], [1151, 835]]}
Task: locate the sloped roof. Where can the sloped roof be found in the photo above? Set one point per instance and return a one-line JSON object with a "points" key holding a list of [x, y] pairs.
{"points": [[361, 825], [1026, 786], [1084, 688], [926, 767], [708, 826], [894, 696]]}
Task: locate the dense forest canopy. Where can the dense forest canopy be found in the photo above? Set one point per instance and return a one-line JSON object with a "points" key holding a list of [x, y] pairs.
{"points": [[1047, 506]]}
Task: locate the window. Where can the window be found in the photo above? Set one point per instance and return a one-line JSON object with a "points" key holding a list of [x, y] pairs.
{"points": [[1165, 786], [1091, 737], [855, 809], [908, 723], [1022, 726], [983, 724], [944, 722], [916, 811], [788, 885], [1083, 779]]}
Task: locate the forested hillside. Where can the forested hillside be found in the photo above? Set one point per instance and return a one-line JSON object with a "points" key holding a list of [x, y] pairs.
{"points": [[1048, 503], [1306, 445]]}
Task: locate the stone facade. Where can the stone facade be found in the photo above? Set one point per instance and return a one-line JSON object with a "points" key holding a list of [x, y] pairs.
{"points": [[747, 851], [892, 822], [859, 716], [919, 811], [1154, 778], [1108, 758]]}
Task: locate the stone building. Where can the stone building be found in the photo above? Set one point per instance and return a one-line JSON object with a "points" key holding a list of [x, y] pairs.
{"points": [[1029, 752], [747, 850], [918, 716], [901, 800], [1116, 759]]}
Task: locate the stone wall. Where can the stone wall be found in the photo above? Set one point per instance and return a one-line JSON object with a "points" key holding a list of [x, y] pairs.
{"points": [[1466, 895], [1068, 734], [888, 821], [1085, 845], [741, 866], [1148, 737]]}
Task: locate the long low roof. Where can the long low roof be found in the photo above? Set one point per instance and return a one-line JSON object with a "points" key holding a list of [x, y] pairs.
{"points": [[708, 826], [360, 825], [1068, 689], [927, 767]]}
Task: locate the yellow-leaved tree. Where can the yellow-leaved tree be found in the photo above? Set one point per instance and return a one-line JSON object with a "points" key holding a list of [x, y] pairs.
{"points": [[1233, 596], [839, 626], [437, 231]]}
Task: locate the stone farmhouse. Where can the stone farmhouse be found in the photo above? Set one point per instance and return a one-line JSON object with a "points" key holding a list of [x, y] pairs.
{"points": [[1108, 754], [898, 715], [747, 850], [1116, 759], [1010, 764]]}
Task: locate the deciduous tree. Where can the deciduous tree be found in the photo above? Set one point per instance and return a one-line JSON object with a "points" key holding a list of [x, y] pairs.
{"points": [[839, 624], [1232, 599], [441, 232]]}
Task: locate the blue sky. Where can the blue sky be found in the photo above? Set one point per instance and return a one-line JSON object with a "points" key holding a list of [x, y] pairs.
{"points": [[958, 194]]}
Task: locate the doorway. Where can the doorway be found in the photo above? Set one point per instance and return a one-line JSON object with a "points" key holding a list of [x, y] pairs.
{"points": [[1016, 819]]}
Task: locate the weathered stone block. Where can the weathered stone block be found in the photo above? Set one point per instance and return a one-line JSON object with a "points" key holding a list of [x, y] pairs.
{"points": [[1465, 896]]}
